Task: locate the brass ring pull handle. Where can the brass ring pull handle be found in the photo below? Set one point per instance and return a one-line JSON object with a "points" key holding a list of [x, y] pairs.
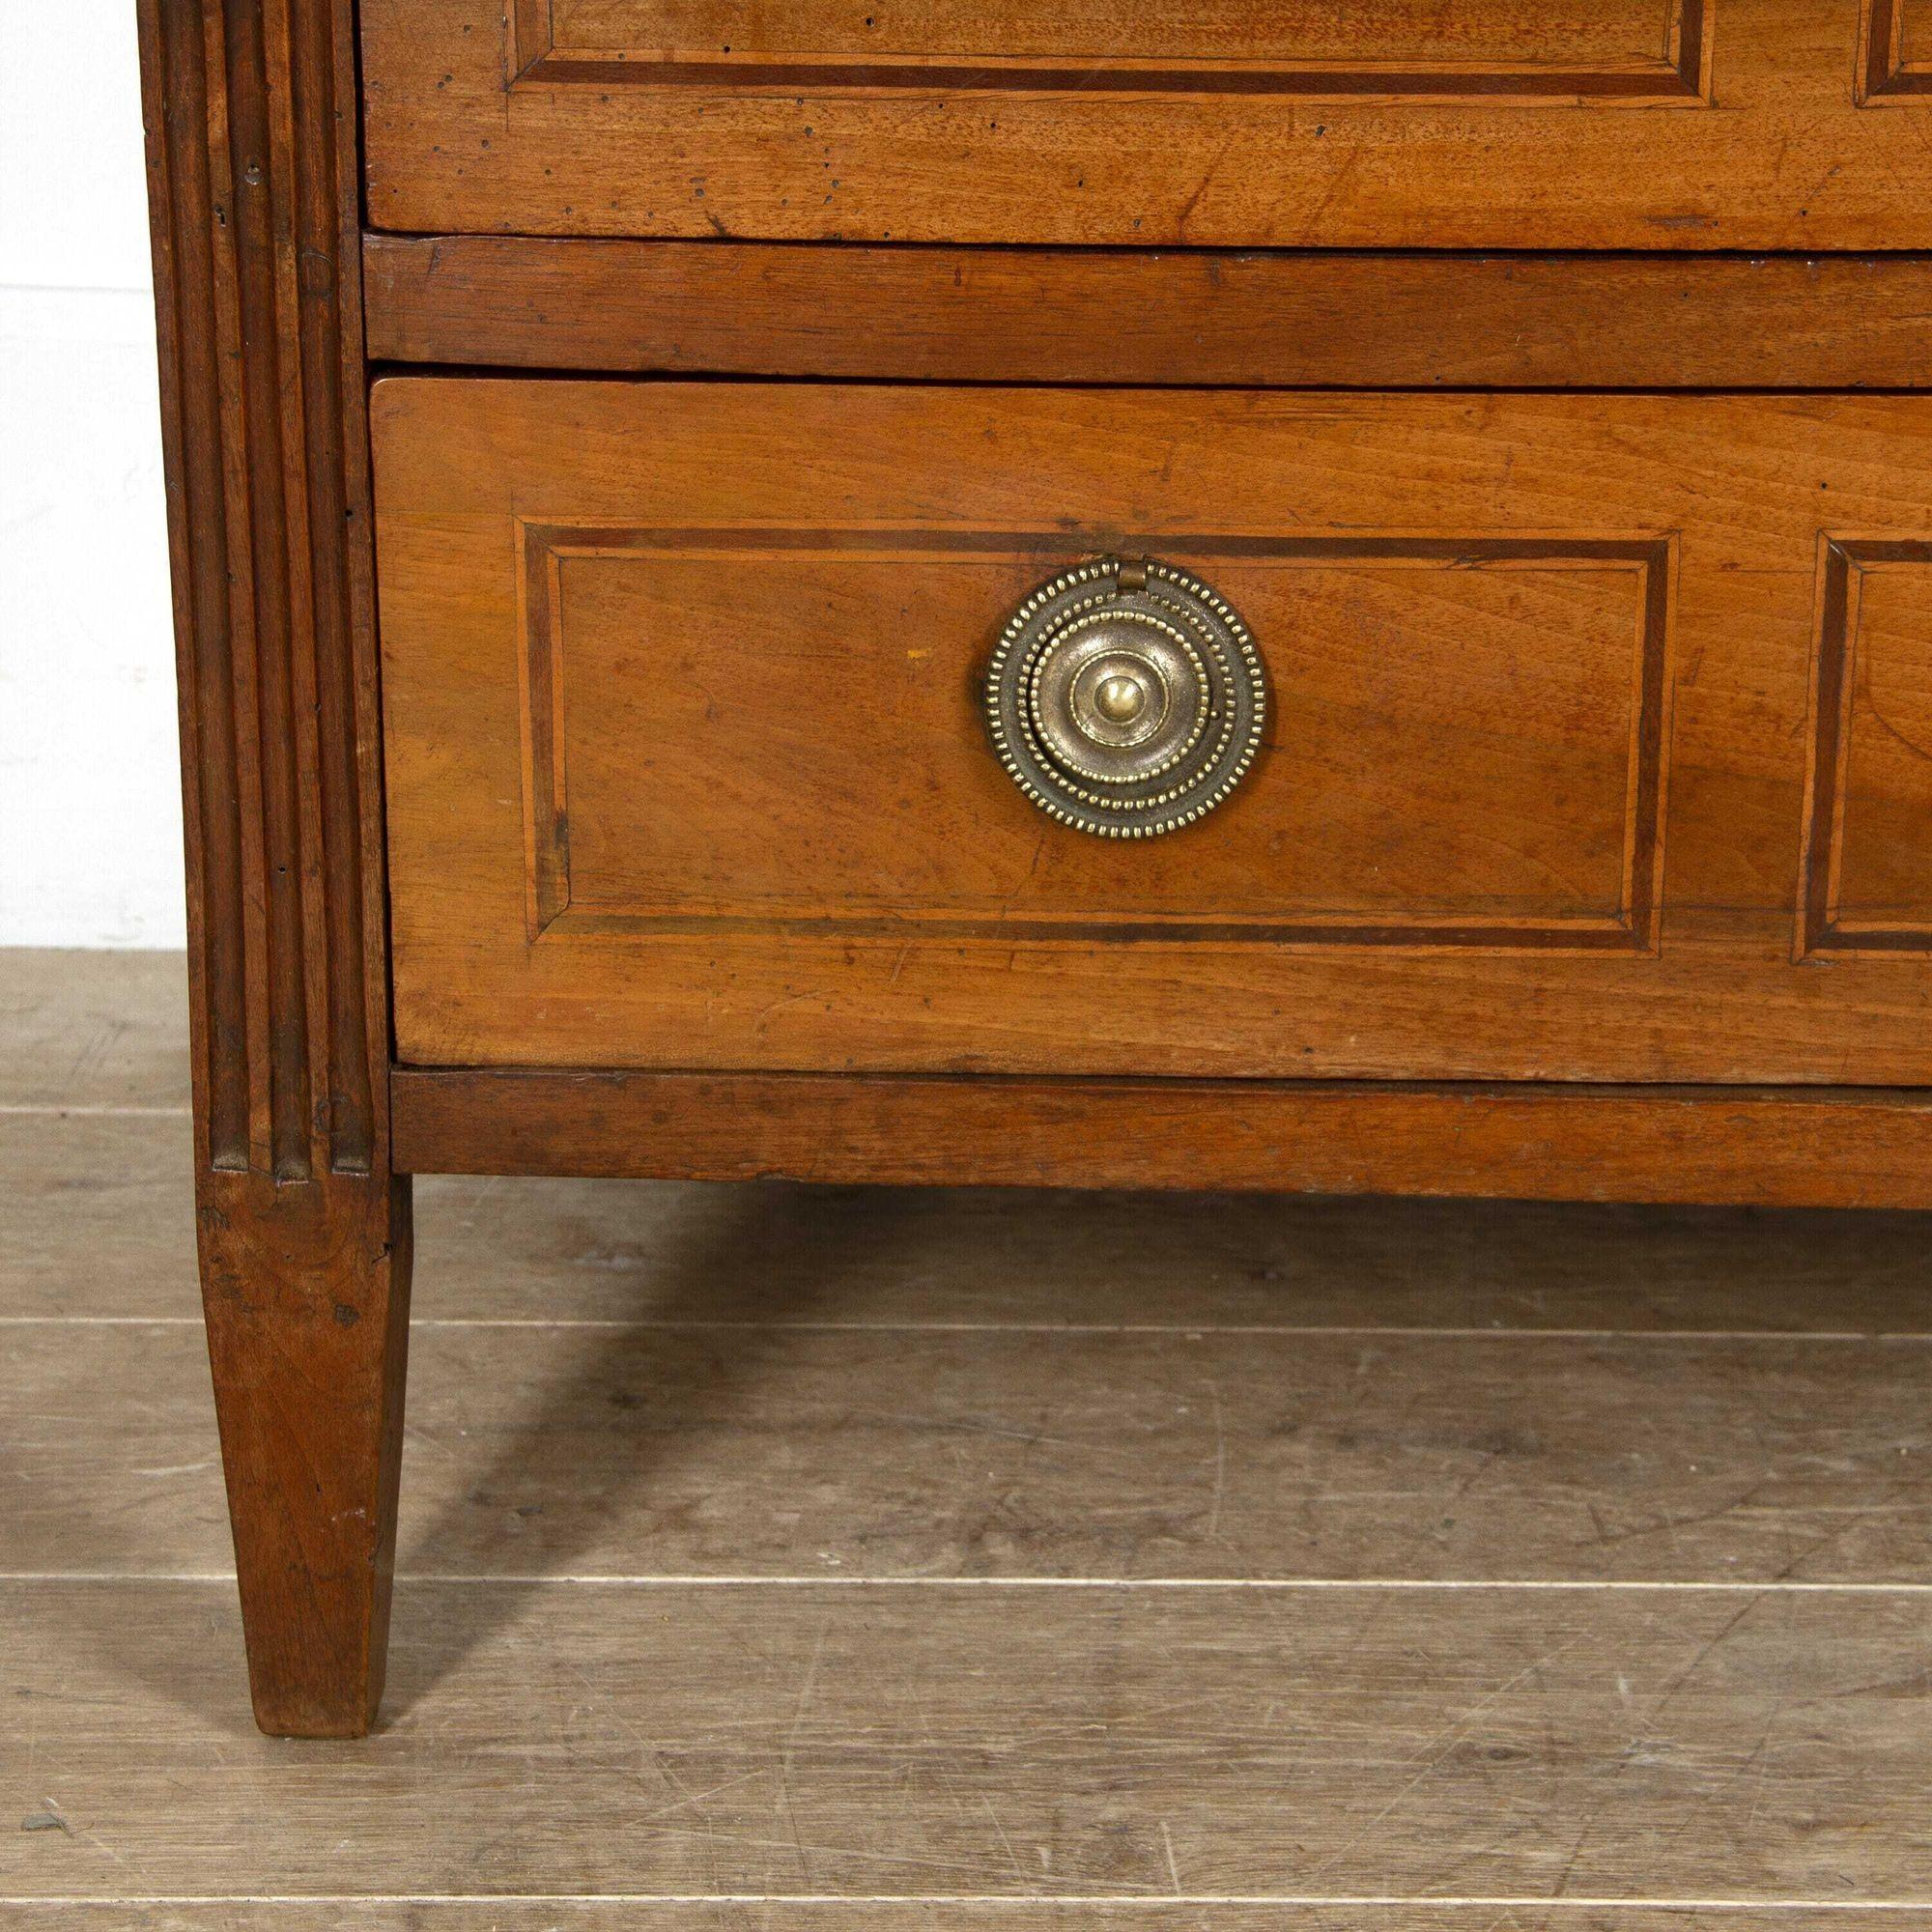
{"points": [[1126, 698]]}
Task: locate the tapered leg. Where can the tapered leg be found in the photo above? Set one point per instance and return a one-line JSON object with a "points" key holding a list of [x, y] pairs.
{"points": [[254, 191], [307, 1291]]}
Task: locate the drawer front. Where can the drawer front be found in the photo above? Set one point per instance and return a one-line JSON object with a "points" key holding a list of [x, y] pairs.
{"points": [[1597, 739], [1614, 124]]}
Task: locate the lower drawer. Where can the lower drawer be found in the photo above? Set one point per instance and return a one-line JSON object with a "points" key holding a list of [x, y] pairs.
{"points": [[1596, 744]]}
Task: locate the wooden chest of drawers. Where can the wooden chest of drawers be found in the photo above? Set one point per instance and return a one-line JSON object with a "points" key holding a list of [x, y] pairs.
{"points": [[691, 520]]}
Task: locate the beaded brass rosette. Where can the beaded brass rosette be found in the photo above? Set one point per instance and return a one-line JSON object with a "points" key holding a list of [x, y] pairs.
{"points": [[1126, 698]]}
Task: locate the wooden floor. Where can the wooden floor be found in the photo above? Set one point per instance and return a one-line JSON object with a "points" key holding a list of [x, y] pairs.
{"points": [[802, 1561]]}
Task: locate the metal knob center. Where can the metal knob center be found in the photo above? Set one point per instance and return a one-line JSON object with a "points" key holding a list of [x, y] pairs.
{"points": [[1110, 692], [1121, 698]]}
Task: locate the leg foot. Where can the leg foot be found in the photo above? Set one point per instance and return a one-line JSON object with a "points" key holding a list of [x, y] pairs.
{"points": [[306, 1286]]}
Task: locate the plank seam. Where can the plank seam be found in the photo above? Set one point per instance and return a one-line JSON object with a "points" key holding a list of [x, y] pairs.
{"points": [[1278, 1585], [618, 1325], [1013, 1901]]}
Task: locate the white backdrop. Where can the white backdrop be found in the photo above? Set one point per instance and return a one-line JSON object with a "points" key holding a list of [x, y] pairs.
{"points": [[89, 808]]}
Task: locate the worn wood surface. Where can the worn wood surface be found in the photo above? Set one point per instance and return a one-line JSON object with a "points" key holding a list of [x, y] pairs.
{"points": [[253, 173], [949, 1738], [678, 1444], [87, 1032], [1610, 34], [615, 1252], [1866, 862], [1714, 124], [1499, 629], [674, 785], [949, 1730], [1064, 315], [1778, 1146], [904, 1914]]}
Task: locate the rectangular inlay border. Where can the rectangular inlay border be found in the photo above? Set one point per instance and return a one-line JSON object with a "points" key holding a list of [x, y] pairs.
{"points": [[1834, 685], [1679, 76], [543, 548], [1884, 72]]}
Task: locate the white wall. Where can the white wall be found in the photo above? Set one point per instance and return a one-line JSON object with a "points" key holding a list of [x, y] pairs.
{"points": [[89, 808]]}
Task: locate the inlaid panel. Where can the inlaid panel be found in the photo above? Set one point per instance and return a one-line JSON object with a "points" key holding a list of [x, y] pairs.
{"points": [[1895, 53], [1627, 124], [688, 767], [1867, 878], [760, 730], [1628, 48]]}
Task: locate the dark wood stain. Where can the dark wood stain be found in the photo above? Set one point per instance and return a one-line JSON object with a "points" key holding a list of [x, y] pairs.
{"points": [[257, 255]]}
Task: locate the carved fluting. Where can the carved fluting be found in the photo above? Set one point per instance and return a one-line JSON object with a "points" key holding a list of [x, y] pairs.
{"points": [[303, 1232], [260, 328]]}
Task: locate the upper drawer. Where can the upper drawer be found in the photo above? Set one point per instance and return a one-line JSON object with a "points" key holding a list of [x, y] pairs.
{"points": [[1590, 124]]}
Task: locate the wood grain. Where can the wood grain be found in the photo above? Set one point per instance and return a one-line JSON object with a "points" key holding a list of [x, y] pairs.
{"points": [[91, 1030], [1740, 124], [1823, 1147], [932, 1741], [305, 1232], [901, 1915], [1864, 884], [1893, 64], [823, 867], [1064, 314], [1216, 44], [99, 1217], [680, 1444], [624, 1253], [705, 801]]}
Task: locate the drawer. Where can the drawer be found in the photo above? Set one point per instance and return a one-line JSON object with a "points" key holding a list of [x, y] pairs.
{"points": [[1546, 124], [1596, 739]]}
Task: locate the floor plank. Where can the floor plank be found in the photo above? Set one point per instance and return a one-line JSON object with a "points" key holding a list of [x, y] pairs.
{"points": [[92, 1029], [1002, 1453], [955, 1740], [902, 1914], [899, 1431], [97, 1222], [97, 1216], [595, 1249]]}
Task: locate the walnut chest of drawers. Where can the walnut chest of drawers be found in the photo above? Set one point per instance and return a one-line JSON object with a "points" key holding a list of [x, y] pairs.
{"points": [[1302, 596]]}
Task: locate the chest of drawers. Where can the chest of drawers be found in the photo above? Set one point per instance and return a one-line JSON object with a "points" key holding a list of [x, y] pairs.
{"points": [[1267, 596]]}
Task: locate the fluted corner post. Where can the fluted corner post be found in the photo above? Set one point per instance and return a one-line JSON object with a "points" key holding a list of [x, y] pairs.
{"points": [[304, 1232]]}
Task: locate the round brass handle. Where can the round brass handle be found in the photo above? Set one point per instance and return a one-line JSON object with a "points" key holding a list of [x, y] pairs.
{"points": [[1126, 698]]}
